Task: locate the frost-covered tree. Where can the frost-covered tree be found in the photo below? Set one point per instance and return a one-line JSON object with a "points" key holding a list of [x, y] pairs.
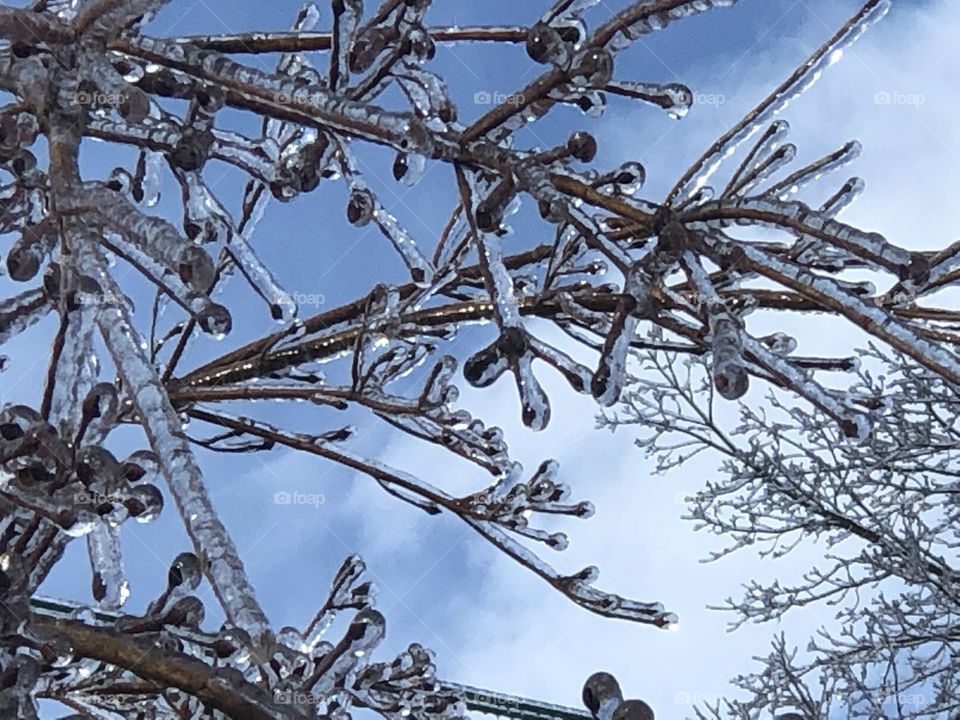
{"points": [[617, 272], [879, 517]]}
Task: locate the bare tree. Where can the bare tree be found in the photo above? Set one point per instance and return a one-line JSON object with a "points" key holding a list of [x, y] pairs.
{"points": [[882, 512], [616, 272]]}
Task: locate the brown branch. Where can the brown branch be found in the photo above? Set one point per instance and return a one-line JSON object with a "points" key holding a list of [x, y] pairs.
{"points": [[236, 698], [290, 42]]}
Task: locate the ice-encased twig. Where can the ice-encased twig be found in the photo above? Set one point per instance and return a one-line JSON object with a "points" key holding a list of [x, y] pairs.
{"points": [[20, 312], [596, 601], [800, 81], [863, 313], [403, 131], [726, 334], [607, 382], [163, 427]]}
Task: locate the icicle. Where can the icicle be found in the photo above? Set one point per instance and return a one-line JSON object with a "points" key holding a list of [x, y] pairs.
{"points": [[726, 335], [346, 19], [77, 366], [110, 587], [131, 102], [428, 93], [150, 183], [153, 236], [213, 318]]}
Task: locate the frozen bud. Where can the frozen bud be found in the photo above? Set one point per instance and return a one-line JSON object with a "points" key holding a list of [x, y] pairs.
{"points": [[210, 99], [231, 642], [186, 612], [22, 162], [633, 710], [15, 420], [102, 401], [489, 216], [544, 44], [630, 177], [57, 650], [592, 67], [917, 270], [135, 107], [780, 343], [602, 695], [588, 575], [29, 252], [192, 149], [368, 46], [9, 135], [360, 207], [729, 374], [366, 630], [483, 368], [215, 320], [140, 464], [144, 502], [592, 103], [673, 239], [73, 523], [96, 464], [401, 166], [184, 572], [419, 44], [52, 453], [23, 262], [195, 267], [553, 210], [583, 146]]}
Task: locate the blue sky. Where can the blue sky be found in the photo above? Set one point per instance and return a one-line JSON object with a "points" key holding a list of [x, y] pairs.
{"points": [[492, 624]]}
